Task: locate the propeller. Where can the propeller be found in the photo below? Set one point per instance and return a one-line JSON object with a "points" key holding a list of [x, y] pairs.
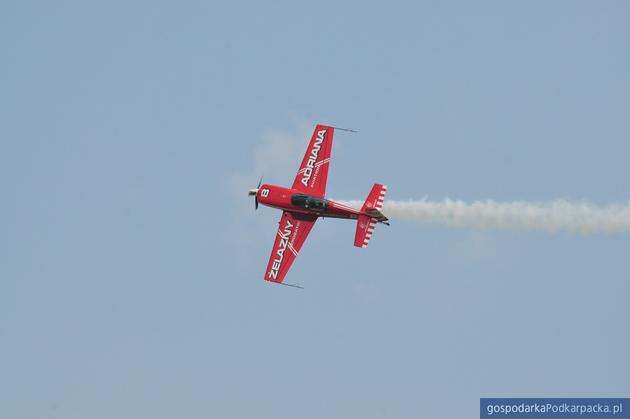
{"points": [[254, 193]]}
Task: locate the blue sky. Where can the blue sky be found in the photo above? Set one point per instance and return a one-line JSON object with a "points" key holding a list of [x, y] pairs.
{"points": [[132, 260]]}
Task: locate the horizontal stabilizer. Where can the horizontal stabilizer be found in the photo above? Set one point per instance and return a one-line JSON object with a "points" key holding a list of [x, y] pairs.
{"points": [[370, 215], [365, 228]]}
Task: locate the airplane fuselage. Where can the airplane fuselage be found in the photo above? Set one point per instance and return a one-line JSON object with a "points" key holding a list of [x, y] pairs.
{"points": [[295, 201]]}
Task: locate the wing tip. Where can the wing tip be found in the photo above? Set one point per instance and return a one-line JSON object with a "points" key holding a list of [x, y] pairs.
{"points": [[343, 129], [285, 284]]}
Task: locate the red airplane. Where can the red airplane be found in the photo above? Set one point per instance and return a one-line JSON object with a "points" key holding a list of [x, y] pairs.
{"points": [[304, 203]]}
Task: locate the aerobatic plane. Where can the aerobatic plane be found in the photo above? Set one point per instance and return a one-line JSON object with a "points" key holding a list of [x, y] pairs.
{"points": [[303, 203]]}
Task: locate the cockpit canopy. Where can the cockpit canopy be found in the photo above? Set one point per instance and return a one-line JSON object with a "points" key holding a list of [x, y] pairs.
{"points": [[309, 202]]}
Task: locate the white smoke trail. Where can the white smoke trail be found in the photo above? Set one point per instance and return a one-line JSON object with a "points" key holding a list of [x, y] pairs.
{"points": [[550, 216]]}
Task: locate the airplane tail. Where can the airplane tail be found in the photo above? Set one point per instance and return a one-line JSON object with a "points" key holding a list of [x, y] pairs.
{"points": [[370, 215]]}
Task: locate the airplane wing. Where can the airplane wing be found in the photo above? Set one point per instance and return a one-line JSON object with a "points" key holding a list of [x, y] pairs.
{"points": [[292, 232], [311, 178]]}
